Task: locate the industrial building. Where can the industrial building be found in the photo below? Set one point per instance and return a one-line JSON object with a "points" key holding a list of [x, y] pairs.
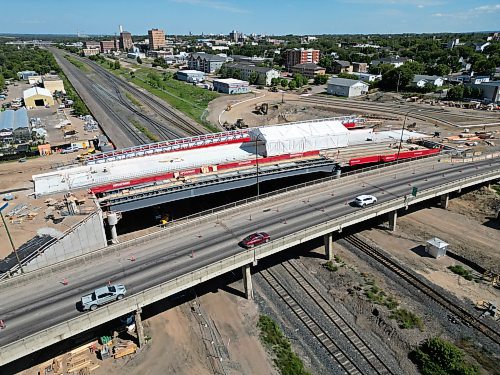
{"points": [[53, 84], [231, 86], [108, 46], [37, 97], [301, 56], [265, 75], [156, 39], [126, 42], [14, 126], [25, 74], [92, 44], [346, 87], [490, 91], [308, 70], [91, 51], [205, 62], [192, 76]]}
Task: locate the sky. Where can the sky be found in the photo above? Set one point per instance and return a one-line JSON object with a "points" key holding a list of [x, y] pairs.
{"points": [[270, 17]]}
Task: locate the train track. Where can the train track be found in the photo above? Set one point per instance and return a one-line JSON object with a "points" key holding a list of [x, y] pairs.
{"points": [[157, 106], [452, 307], [368, 356]]}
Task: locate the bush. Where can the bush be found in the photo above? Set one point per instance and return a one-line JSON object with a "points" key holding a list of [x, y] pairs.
{"points": [[437, 356], [407, 319], [459, 270], [330, 266]]}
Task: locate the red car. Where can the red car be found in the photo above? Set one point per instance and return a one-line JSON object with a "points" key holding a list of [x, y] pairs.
{"points": [[255, 239]]}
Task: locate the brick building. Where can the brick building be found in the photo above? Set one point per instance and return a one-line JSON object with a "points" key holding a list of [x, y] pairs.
{"points": [[156, 39], [300, 56], [126, 42], [308, 70]]}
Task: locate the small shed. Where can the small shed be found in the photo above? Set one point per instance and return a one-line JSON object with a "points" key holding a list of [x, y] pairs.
{"points": [[436, 247]]}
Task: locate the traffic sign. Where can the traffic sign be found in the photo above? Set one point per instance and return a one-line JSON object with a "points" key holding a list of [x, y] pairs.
{"points": [[4, 206]]}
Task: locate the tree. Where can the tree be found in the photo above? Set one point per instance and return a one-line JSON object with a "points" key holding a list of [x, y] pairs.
{"points": [[292, 85], [275, 82], [439, 70], [320, 79], [396, 79], [299, 80], [326, 62], [2, 81], [348, 76], [456, 92], [116, 65], [139, 60], [253, 79], [483, 66], [284, 83], [380, 68]]}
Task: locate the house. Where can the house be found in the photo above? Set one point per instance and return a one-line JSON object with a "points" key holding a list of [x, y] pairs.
{"points": [[395, 61], [346, 87], [308, 70], [205, 62], [230, 86], [453, 43], [359, 67], [420, 80], [341, 66], [490, 91], [37, 97], [367, 77], [264, 74], [479, 47]]}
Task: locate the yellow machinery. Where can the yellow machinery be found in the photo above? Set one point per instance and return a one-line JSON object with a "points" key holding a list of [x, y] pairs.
{"points": [[228, 108], [164, 220]]}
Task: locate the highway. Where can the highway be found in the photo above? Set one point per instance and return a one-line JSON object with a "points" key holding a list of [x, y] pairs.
{"points": [[34, 306]]}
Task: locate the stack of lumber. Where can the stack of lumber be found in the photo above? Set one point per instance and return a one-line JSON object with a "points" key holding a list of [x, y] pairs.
{"points": [[124, 348], [78, 361]]}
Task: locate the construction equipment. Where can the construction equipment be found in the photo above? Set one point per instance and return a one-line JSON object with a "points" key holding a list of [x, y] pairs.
{"points": [[492, 277], [164, 220], [228, 108], [240, 123], [488, 308], [262, 109]]}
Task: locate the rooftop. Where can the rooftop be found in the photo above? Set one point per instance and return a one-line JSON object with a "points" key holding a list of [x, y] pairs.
{"points": [[308, 65], [229, 80], [36, 91], [344, 82], [11, 120]]}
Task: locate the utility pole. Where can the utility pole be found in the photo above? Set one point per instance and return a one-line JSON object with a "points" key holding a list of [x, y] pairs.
{"points": [[397, 87], [10, 238]]}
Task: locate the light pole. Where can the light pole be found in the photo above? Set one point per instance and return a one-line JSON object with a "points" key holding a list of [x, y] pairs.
{"points": [[10, 238], [257, 164], [403, 129]]}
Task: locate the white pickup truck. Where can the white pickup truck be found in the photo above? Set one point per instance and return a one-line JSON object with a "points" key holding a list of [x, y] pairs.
{"points": [[103, 295]]}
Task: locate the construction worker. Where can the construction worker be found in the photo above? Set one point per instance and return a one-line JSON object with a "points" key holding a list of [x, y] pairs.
{"points": [[2, 324]]}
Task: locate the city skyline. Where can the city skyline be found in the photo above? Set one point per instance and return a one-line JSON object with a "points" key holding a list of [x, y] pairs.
{"points": [[197, 16]]}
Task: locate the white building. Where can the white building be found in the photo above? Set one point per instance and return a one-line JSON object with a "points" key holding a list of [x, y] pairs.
{"points": [[367, 77], [420, 80], [479, 47], [346, 87]]}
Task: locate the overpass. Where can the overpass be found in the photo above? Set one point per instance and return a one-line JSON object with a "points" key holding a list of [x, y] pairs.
{"points": [[40, 311]]}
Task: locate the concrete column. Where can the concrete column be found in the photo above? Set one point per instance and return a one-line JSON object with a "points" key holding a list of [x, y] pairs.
{"points": [[114, 235], [393, 217], [112, 221], [444, 201], [139, 327], [328, 239], [247, 281]]}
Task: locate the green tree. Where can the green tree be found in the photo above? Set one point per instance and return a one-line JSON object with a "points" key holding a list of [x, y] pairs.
{"points": [[284, 83], [320, 79], [116, 65], [483, 66], [381, 68], [456, 92], [326, 62], [348, 76], [292, 85], [396, 79], [439, 70], [253, 79], [300, 80], [2, 81], [275, 82], [139, 60]]}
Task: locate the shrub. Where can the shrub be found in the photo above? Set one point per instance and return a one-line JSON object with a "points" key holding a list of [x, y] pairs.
{"points": [[406, 319], [459, 270], [330, 266]]}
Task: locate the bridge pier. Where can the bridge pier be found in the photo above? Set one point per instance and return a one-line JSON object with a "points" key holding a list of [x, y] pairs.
{"points": [[445, 198], [393, 217], [328, 239], [247, 281], [139, 328], [113, 218]]}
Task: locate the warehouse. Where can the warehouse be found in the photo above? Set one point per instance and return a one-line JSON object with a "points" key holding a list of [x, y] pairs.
{"points": [[53, 84], [37, 97], [346, 87], [231, 86], [190, 76], [14, 126]]}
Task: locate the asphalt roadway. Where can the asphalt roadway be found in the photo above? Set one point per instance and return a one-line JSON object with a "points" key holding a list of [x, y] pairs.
{"points": [[33, 307]]}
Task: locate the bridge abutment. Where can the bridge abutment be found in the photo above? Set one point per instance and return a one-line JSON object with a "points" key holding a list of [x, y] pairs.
{"points": [[139, 328], [393, 218], [328, 239], [247, 281], [445, 198]]}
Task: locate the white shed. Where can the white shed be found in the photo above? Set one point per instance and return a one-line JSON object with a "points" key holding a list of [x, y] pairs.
{"points": [[301, 136], [436, 247]]}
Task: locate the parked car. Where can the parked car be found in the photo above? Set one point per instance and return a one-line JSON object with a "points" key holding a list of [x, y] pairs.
{"points": [[255, 239], [69, 150], [364, 200], [102, 296]]}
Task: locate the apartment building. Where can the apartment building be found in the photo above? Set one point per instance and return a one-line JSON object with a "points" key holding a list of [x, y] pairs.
{"points": [[156, 39], [301, 56], [265, 75]]}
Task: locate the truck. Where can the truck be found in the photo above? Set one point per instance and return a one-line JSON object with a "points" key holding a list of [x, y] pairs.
{"points": [[102, 296]]}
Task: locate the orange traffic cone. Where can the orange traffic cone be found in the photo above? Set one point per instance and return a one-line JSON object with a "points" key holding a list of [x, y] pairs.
{"points": [[65, 281]]}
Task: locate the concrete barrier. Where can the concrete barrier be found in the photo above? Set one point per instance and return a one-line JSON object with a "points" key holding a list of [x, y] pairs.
{"points": [[20, 348]]}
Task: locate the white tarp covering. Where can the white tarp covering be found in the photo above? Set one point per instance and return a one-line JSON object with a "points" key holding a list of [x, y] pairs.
{"points": [[300, 137]]}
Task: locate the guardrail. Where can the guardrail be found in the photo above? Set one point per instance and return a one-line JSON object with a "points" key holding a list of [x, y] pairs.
{"points": [[49, 336]]}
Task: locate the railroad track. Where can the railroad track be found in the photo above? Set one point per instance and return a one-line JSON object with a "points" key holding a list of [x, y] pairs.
{"points": [[444, 301], [321, 333], [157, 106]]}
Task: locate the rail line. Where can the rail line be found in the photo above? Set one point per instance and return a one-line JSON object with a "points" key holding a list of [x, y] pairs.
{"points": [[445, 302], [320, 332]]}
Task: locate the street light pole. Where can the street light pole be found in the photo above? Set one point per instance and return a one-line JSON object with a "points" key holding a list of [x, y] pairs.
{"points": [[10, 238], [403, 129], [257, 165]]}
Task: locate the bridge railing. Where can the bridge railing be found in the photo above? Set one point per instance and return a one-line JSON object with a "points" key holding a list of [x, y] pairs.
{"points": [[56, 333]]}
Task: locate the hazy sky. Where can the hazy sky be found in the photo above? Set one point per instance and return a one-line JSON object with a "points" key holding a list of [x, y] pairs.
{"points": [[259, 16]]}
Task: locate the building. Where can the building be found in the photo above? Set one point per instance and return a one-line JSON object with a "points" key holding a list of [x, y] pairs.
{"points": [[156, 39], [436, 247], [34, 80], [231, 86], [235, 36], [92, 44], [264, 74], [108, 46], [193, 76], [395, 61], [453, 43], [37, 97], [341, 66], [53, 84], [91, 51], [359, 67], [126, 42], [301, 56], [346, 87], [367, 77], [14, 126], [479, 47], [490, 91], [420, 80], [308, 70], [250, 59], [26, 73], [205, 62]]}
